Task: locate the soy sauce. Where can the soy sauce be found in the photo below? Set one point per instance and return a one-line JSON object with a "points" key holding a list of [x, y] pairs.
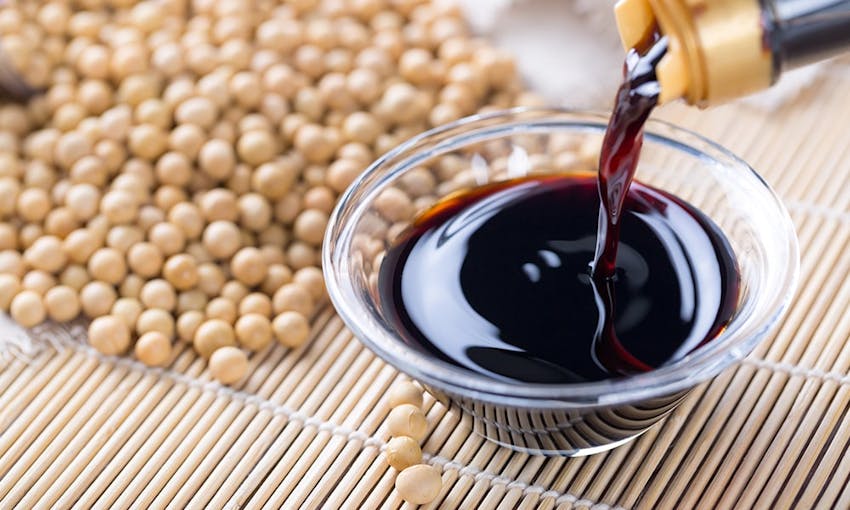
{"points": [[565, 278]]}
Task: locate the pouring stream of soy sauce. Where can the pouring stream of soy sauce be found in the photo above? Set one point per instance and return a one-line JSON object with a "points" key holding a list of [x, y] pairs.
{"points": [[621, 146], [635, 100]]}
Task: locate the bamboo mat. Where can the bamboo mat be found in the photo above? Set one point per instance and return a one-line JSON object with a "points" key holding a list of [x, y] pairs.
{"points": [[78, 430]]}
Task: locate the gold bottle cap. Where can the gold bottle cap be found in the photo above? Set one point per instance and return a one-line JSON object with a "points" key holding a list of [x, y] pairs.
{"points": [[716, 48]]}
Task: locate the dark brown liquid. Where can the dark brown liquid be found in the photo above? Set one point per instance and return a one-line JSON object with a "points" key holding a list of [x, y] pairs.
{"points": [[636, 98], [565, 278], [497, 280]]}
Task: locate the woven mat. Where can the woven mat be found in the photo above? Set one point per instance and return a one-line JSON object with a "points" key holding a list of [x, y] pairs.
{"points": [[306, 429]]}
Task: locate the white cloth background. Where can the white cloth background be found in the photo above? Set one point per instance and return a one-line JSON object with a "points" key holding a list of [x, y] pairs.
{"points": [[569, 50]]}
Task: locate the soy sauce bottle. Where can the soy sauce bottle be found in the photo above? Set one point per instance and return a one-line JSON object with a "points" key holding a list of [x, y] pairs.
{"points": [[724, 49]]}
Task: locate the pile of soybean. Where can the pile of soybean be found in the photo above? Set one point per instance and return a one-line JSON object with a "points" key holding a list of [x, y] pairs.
{"points": [[170, 172]]}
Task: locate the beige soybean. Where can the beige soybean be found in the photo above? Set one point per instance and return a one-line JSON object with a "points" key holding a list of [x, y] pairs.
{"points": [[256, 147], [312, 279], [255, 303], [198, 110], [188, 323], [46, 253], [154, 319], [167, 196], [108, 265], [62, 303], [403, 452], [270, 249], [193, 299], [419, 485], [217, 159], [181, 271], [253, 331], [219, 204], [310, 226], [145, 259], [74, 276], [11, 262], [79, 245], [407, 420], [187, 217], [291, 329], [255, 213], [82, 199], [212, 335], [169, 238], [27, 309], [149, 215], [211, 279], [29, 234], [38, 281], [221, 308], [109, 335], [321, 198], [405, 392], [97, 298], [153, 348], [249, 266], [293, 297], [131, 286], [8, 237], [10, 285], [275, 178], [278, 276], [128, 309], [119, 206], [123, 237], [222, 239], [158, 293], [228, 364]]}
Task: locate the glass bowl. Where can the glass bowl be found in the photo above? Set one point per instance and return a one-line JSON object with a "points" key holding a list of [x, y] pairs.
{"points": [[558, 419]]}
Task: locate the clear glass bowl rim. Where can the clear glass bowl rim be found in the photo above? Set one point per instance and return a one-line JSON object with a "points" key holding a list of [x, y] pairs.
{"points": [[685, 373]]}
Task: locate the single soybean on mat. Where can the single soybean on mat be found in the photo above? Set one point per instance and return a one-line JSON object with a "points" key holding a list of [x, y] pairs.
{"points": [[305, 426]]}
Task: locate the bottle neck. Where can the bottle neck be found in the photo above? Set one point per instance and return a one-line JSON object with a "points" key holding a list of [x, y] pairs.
{"points": [[805, 31]]}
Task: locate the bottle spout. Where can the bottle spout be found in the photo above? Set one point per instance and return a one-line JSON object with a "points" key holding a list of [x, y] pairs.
{"points": [[672, 73], [635, 22]]}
